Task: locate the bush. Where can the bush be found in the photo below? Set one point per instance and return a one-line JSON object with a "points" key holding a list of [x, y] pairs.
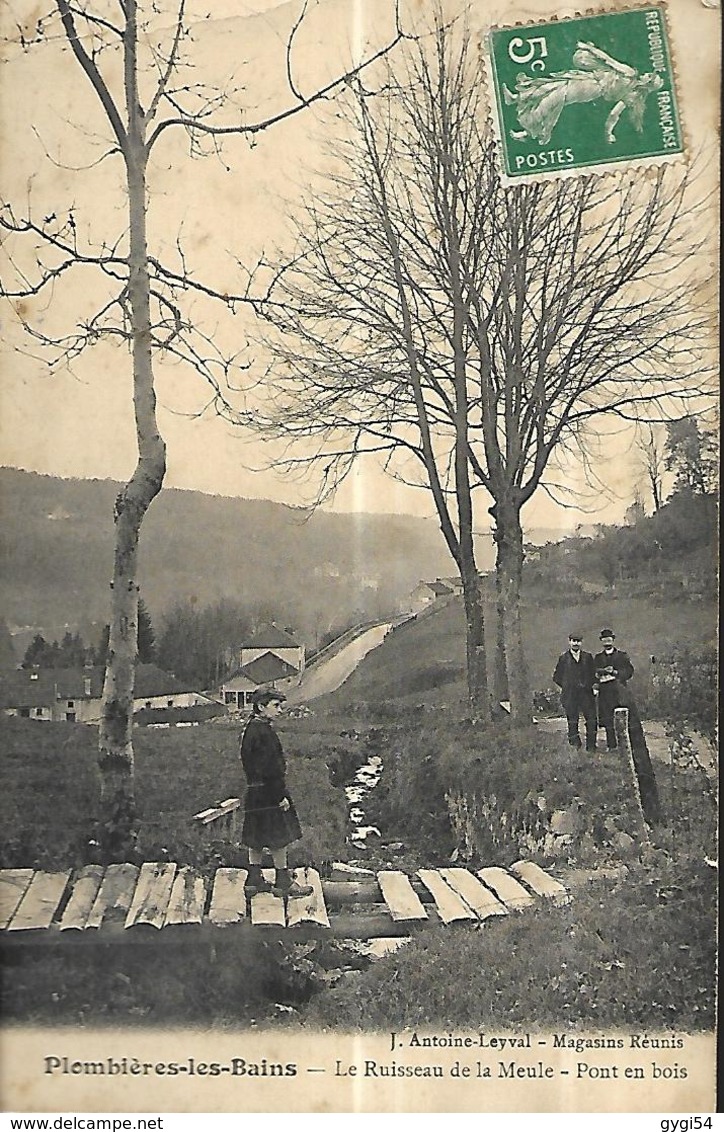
{"points": [[492, 796], [685, 690]]}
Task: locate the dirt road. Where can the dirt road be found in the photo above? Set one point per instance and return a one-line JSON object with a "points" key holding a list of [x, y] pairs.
{"points": [[328, 674]]}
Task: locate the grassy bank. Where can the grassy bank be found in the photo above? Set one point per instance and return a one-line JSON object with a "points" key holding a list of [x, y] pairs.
{"points": [[635, 950], [636, 953], [51, 789]]}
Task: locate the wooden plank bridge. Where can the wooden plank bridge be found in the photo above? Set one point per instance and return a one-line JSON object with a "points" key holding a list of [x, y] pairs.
{"points": [[164, 902]]}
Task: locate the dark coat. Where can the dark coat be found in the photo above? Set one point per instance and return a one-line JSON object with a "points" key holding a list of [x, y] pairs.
{"points": [[575, 678], [266, 826], [616, 664]]}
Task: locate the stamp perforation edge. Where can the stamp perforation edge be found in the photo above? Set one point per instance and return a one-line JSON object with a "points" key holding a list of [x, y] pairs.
{"points": [[623, 167]]}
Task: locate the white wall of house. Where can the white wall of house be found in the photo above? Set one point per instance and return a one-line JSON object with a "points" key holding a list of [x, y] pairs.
{"points": [[236, 692], [173, 699], [29, 712], [70, 711], [89, 710], [239, 698]]}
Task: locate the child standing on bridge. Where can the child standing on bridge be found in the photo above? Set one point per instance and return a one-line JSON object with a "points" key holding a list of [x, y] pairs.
{"points": [[270, 819]]}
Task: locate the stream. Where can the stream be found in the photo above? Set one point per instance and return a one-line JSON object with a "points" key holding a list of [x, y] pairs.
{"points": [[364, 781]]}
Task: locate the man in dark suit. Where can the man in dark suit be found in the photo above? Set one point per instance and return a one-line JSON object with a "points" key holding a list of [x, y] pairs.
{"points": [[613, 670], [575, 676]]}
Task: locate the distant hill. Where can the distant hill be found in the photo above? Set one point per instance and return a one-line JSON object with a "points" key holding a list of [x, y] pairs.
{"points": [[57, 555]]}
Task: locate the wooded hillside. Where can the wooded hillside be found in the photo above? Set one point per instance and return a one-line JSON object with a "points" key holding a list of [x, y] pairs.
{"points": [[307, 571]]}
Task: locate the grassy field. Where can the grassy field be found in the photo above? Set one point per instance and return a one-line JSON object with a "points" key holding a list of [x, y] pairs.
{"points": [[51, 788], [49, 797], [425, 660]]}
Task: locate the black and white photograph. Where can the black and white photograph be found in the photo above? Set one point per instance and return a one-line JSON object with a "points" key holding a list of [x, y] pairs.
{"points": [[358, 635]]}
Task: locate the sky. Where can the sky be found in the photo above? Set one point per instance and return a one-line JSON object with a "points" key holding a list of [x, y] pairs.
{"points": [[79, 422]]}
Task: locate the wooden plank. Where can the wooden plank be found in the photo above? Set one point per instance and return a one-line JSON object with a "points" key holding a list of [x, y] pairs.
{"points": [[14, 883], [450, 906], [400, 897], [224, 810], [228, 902], [542, 883], [370, 924], [341, 871], [153, 892], [506, 887], [82, 898], [114, 896], [625, 754], [188, 894], [39, 904], [308, 909], [475, 894], [267, 909]]}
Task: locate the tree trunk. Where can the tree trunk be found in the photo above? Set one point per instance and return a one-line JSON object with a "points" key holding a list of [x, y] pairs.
{"points": [[509, 579], [115, 757], [501, 690], [475, 641], [472, 598]]}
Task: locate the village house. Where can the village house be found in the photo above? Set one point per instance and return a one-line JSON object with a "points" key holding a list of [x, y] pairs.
{"points": [[266, 670], [454, 584], [74, 695], [268, 639], [425, 593]]}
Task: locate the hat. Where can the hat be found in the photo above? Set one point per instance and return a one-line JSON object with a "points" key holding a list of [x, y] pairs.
{"points": [[575, 636], [607, 633], [264, 696]]}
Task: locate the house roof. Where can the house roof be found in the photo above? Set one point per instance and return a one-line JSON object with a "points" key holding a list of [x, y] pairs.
{"points": [[196, 713], [154, 681], [270, 637], [438, 587], [34, 687], [267, 668], [238, 681]]}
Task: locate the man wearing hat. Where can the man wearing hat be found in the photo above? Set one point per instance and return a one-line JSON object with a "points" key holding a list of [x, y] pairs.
{"points": [[613, 671], [575, 676], [270, 819]]}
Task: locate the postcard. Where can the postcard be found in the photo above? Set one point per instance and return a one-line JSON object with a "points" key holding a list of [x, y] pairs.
{"points": [[359, 446]]}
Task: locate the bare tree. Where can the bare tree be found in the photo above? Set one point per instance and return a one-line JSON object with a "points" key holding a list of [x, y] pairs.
{"points": [[584, 312], [374, 350], [143, 82], [477, 332], [651, 447]]}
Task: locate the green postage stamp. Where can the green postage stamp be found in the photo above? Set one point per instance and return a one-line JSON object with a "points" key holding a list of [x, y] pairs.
{"points": [[584, 93]]}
